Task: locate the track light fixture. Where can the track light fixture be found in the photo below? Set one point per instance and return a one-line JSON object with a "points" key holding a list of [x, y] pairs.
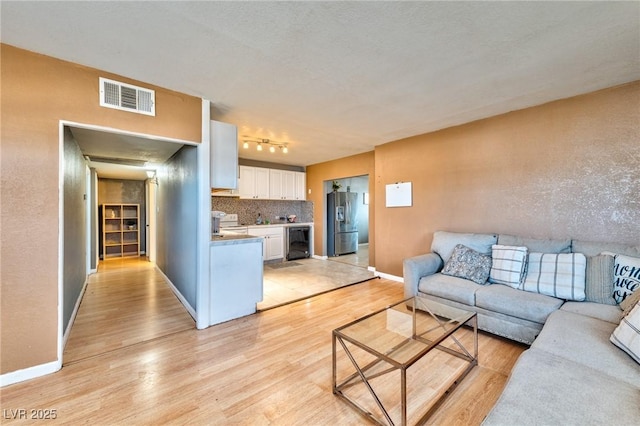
{"points": [[271, 144]]}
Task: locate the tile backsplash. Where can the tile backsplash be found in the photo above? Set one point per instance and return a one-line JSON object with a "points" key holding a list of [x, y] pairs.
{"points": [[248, 210]]}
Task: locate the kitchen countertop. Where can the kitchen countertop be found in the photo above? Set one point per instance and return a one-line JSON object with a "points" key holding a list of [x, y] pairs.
{"points": [[285, 224], [227, 239]]}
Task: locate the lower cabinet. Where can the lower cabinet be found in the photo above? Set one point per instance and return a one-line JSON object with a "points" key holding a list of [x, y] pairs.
{"points": [[272, 242]]}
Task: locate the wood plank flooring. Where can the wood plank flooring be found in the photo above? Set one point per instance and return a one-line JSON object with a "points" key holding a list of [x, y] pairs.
{"points": [[271, 368], [125, 303]]}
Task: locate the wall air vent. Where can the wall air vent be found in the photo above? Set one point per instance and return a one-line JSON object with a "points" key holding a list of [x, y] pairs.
{"points": [[126, 97]]}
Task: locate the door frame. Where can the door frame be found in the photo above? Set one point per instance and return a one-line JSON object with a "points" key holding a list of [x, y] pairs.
{"points": [[204, 207]]}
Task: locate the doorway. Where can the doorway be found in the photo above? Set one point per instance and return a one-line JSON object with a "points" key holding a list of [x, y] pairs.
{"points": [[360, 186], [94, 153]]}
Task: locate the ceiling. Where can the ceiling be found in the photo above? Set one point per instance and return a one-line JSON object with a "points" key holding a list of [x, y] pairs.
{"points": [[338, 78], [122, 156]]}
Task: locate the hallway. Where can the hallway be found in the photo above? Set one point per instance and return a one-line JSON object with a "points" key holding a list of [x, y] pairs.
{"points": [[127, 302]]}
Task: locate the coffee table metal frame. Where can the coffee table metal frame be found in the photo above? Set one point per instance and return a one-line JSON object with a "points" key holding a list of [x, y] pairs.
{"points": [[360, 373]]}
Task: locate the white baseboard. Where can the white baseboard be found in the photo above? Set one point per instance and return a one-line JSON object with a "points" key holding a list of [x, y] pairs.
{"points": [[29, 373], [320, 257], [67, 331], [385, 276], [179, 295]]}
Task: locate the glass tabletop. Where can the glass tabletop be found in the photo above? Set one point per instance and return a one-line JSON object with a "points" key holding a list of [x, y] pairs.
{"points": [[401, 334]]}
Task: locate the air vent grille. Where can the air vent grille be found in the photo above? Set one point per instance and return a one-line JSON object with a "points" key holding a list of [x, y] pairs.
{"points": [[126, 97]]}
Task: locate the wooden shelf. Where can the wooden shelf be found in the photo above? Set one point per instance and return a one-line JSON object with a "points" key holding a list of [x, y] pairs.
{"points": [[120, 230]]}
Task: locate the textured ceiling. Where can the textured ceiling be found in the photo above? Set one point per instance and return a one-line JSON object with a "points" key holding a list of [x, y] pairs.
{"points": [[337, 78]]}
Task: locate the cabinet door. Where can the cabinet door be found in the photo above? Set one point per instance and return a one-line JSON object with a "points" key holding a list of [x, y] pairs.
{"points": [[247, 182], [275, 247], [261, 183], [275, 184], [300, 186], [289, 185], [224, 155]]}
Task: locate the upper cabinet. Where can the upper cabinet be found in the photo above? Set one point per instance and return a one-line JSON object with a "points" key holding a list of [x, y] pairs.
{"points": [[301, 186], [271, 184], [254, 183], [224, 155], [286, 185]]}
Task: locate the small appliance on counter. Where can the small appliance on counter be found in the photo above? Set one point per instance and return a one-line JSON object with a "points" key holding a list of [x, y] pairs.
{"points": [[291, 218], [215, 221]]}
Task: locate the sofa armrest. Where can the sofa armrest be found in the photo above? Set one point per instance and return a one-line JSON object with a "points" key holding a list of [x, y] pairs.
{"points": [[417, 267]]}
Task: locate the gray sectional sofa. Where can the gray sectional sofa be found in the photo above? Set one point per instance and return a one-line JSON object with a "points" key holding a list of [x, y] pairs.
{"points": [[572, 373]]}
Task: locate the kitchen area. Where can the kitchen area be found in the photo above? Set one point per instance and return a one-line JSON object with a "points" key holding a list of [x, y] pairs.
{"points": [[259, 216]]}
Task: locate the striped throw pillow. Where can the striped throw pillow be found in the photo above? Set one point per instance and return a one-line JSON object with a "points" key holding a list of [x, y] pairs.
{"points": [[559, 275], [627, 335], [508, 265]]}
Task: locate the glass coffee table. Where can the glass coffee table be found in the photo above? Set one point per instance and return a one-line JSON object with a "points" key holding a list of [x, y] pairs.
{"points": [[372, 356]]}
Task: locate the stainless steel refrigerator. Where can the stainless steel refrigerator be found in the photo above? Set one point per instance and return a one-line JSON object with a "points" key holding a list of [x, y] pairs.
{"points": [[342, 223]]}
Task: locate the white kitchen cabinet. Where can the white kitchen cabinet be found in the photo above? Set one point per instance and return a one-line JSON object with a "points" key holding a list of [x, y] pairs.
{"points": [[300, 192], [275, 184], [282, 184], [286, 185], [224, 155], [273, 240], [254, 182]]}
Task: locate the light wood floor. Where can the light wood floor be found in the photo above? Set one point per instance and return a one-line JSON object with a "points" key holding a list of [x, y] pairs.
{"points": [[125, 303], [270, 368]]}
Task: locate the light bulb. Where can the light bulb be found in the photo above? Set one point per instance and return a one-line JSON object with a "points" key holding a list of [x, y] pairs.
{"points": [[272, 149], [259, 148], [285, 150], [245, 145]]}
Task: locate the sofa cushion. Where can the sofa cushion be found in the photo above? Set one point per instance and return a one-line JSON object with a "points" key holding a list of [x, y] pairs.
{"points": [[626, 276], [599, 279], [444, 242], [448, 287], [547, 390], [516, 303], [468, 264], [592, 248], [585, 340], [560, 275], [611, 313], [627, 335], [629, 302], [508, 265], [535, 244]]}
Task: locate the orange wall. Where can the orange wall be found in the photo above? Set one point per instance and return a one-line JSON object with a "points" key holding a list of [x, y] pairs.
{"points": [[569, 168], [37, 92], [317, 174]]}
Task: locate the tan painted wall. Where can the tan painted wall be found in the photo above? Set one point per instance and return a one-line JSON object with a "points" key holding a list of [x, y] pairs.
{"points": [[37, 92], [570, 168], [317, 174]]}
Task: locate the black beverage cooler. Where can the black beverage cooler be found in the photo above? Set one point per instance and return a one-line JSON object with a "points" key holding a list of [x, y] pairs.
{"points": [[297, 243]]}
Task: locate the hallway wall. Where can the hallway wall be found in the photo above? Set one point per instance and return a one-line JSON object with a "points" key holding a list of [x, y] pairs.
{"points": [[37, 92], [177, 220], [75, 226]]}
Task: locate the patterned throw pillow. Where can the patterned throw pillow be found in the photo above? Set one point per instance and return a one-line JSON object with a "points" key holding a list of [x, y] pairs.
{"points": [[508, 265], [599, 281], [468, 264], [626, 276], [557, 275], [627, 335]]}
